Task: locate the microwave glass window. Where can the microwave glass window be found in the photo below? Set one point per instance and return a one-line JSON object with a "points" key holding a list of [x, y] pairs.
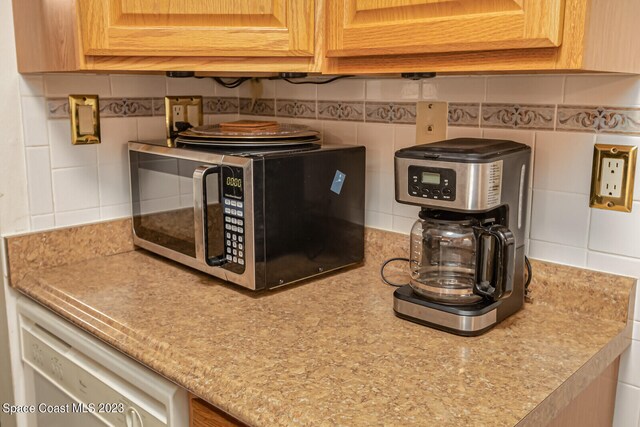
{"points": [[430, 178], [162, 193]]}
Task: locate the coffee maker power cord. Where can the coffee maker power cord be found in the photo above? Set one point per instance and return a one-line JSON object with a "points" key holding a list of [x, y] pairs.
{"points": [[527, 292]]}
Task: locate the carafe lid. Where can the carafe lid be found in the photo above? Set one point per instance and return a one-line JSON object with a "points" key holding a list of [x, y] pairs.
{"points": [[463, 150]]}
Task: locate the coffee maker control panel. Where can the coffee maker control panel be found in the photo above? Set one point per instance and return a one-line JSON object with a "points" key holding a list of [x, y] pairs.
{"points": [[432, 183]]}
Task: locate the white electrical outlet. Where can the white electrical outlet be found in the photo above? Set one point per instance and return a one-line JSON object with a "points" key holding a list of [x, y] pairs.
{"points": [[612, 173], [178, 115]]}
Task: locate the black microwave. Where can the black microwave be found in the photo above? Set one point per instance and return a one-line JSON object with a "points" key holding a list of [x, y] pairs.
{"points": [[259, 219]]}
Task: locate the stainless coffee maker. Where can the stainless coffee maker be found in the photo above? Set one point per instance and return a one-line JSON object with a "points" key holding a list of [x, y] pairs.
{"points": [[467, 256]]}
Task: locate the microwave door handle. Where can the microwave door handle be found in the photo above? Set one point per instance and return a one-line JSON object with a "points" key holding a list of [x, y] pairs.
{"points": [[200, 214]]}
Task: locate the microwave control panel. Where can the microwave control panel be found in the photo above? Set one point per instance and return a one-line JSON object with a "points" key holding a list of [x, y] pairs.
{"points": [[432, 183], [234, 218]]}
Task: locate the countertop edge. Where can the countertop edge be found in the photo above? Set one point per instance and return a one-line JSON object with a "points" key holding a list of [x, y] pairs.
{"points": [[561, 397]]}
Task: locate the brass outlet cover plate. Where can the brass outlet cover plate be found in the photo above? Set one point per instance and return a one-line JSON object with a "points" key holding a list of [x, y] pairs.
{"points": [[431, 121], [85, 119], [627, 153], [188, 103]]}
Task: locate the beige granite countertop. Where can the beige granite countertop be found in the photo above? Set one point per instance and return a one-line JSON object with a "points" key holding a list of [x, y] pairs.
{"points": [[329, 351]]}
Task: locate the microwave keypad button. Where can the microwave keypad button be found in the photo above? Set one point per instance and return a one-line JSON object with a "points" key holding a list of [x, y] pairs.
{"points": [[235, 244], [227, 201], [228, 235], [241, 261], [240, 204], [240, 229], [235, 237], [234, 212], [235, 259], [239, 213], [234, 221], [234, 203], [235, 252], [229, 242], [240, 253], [227, 226], [240, 222], [227, 219], [240, 239], [229, 258], [240, 246]]}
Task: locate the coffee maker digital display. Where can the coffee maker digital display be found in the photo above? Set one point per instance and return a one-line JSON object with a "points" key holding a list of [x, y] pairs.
{"points": [[467, 247]]}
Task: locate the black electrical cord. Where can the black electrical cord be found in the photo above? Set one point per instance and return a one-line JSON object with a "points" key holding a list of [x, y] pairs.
{"points": [[384, 264], [527, 292], [324, 82], [231, 85]]}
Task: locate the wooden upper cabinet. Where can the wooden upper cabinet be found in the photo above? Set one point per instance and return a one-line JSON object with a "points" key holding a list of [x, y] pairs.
{"points": [[389, 27], [197, 28]]}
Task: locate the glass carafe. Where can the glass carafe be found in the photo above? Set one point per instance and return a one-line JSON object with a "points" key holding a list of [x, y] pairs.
{"points": [[456, 260]]}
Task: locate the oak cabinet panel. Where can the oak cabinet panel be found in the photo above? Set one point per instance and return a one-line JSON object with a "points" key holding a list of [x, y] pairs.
{"points": [[388, 27], [197, 28]]}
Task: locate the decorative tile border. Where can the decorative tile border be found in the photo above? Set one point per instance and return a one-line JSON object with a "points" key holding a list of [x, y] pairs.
{"points": [[623, 120], [58, 108], [341, 110], [258, 107], [595, 119], [220, 105], [126, 107], [390, 112], [464, 114], [296, 108], [515, 116]]}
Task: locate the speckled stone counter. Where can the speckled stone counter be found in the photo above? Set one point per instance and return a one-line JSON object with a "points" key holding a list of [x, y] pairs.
{"points": [[330, 351]]}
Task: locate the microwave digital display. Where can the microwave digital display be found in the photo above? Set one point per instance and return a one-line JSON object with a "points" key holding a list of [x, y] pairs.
{"points": [[232, 182]]}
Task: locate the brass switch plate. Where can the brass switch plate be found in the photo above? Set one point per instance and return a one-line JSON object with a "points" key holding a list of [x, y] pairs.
{"points": [[431, 121], [181, 109], [613, 165], [85, 119]]}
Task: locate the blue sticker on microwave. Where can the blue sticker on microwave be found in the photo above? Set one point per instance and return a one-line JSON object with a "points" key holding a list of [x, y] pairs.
{"points": [[338, 181]]}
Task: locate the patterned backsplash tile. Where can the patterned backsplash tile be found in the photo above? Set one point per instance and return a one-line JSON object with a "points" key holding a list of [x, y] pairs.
{"points": [[390, 112], [518, 116], [341, 110], [624, 120], [595, 119]]}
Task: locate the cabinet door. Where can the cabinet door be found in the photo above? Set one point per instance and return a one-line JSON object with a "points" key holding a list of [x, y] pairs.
{"points": [[387, 27], [197, 28]]}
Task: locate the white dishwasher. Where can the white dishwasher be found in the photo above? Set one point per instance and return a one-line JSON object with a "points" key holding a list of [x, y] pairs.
{"points": [[72, 379]]}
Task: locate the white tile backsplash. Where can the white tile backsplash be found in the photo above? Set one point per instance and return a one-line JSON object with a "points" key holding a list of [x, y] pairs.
{"points": [[463, 132], [286, 90], [42, 222], [39, 180], [455, 88], [115, 211], [561, 218], [602, 90], [614, 264], [150, 128], [378, 140], [538, 89], [379, 191], [557, 253], [344, 90], [63, 85], [113, 180], [130, 86], [342, 133], [379, 220], [629, 366], [616, 232], [63, 153], [34, 121], [115, 135], [191, 86], [563, 160], [75, 188], [31, 85], [83, 216], [393, 90]]}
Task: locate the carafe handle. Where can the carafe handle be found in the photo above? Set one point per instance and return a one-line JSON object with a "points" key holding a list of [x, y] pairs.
{"points": [[495, 266]]}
